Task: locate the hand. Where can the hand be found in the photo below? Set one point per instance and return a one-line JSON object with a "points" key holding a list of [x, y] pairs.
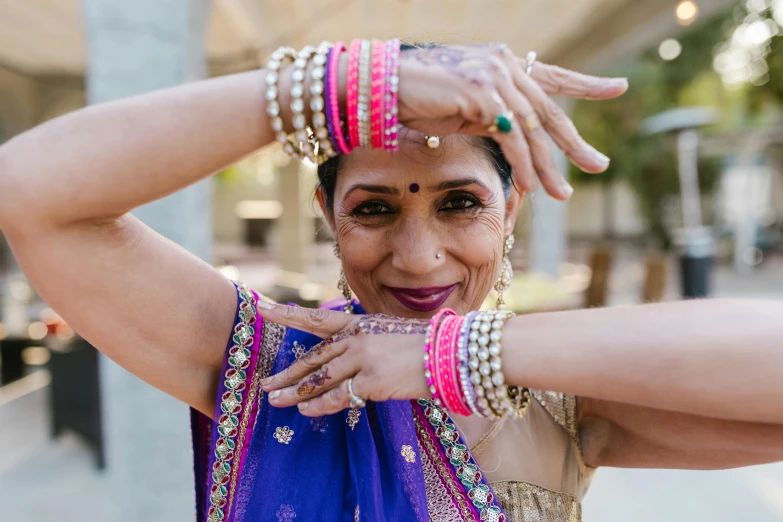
{"points": [[451, 90], [382, 354]]}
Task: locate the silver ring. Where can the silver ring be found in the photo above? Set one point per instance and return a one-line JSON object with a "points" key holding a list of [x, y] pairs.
{"points": [[356, 401], [531, 60]]}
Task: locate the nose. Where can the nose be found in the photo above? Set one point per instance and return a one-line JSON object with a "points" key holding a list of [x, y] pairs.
{"points": [[417, 249]]}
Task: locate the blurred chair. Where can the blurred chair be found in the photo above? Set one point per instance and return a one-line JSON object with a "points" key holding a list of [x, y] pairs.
{"points": [[654, 287], [75, 392], [600, 265]]}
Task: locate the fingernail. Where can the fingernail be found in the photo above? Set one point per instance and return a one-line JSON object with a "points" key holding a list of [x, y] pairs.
{"points": [[303, 405], [265, 305], [602, 158], [266, 381], [275, 394], [567, 188]]}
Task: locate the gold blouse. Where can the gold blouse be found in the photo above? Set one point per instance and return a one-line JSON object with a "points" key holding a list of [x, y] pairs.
{"points": [[534, 464]]}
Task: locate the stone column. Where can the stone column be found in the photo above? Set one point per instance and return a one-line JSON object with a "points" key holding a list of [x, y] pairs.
{"points": [[134, 47], [296, 232], [549, 234]]}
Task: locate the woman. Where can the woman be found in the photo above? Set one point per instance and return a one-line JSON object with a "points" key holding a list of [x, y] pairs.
{"points": [[339, 431]]}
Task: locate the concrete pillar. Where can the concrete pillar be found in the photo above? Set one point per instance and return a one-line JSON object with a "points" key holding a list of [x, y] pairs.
{"points": [[549, 233], [296, 227], [135, 47]]}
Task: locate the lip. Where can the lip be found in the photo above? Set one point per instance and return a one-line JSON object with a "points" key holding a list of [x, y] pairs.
{"points": [[422, 299]]}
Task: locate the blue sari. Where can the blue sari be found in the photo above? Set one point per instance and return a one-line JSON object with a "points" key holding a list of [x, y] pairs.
{"points": [[395, 461]]}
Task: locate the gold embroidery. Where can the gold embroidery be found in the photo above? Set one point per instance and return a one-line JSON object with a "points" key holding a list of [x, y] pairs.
{"points": [[284, 435], [353, 418], [408, 453], [249, 402], [235, 382], [437, 494], [523, 501], [298, 351]]}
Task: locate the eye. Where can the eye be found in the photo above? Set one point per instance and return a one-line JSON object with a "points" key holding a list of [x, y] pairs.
{"points": [[460, 202], [372, 208]]}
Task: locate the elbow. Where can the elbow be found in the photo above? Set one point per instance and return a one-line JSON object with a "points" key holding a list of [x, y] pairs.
{"points": [[18, 204]]}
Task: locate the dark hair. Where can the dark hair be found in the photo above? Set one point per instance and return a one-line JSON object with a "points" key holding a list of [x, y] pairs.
{"points": [[327, 171]]}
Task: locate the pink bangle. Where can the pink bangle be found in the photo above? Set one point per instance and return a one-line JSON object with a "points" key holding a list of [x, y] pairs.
{"points": [[377, 93], [391, 125], [352, 93], [429, 353], [446, 366], [334, 99]]}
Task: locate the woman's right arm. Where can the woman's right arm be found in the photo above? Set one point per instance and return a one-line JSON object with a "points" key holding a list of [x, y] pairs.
{"points": [[66, 188]]}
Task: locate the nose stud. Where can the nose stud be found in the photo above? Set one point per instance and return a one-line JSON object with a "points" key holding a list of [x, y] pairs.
{"points": [[438, 255]]}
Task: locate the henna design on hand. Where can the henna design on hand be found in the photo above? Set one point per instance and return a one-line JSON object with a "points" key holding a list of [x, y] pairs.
{"points": [[318, 378]]}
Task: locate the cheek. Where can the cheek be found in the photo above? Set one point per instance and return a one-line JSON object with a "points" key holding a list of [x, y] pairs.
{"points": [[361, 248]]}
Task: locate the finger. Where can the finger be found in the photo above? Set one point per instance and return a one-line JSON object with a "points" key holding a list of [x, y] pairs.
{"points": [[319, 355], [316, 321], [556, 80], [532, 133], [516, 150], [560, 126], [336, 399], [315, 384]]}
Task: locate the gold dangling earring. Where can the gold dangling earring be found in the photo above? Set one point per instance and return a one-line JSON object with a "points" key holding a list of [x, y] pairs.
{"points": [[506, 273], [342, 284]]}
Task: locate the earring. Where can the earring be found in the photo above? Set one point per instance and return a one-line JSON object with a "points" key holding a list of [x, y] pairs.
{"points": [[506, 273], [342, 284]]}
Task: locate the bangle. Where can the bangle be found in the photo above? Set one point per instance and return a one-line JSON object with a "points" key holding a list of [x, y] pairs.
{"points": [[317, 105], [429, 356], [352, 93], [377, 93], [468, 392], [486, 366], [333, 116], [297, 103], [365, 78], [391, 99], [273, 106], [446, 379]]}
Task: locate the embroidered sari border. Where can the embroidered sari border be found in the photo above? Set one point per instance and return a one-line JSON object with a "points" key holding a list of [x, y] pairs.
{"points": [[233, 392], [455, 453]]}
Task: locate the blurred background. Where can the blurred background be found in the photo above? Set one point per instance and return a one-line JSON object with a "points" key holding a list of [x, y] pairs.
{"points": [[691, 207]]}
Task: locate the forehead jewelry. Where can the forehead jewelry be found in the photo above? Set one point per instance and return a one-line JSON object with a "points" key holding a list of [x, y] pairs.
{"points": [[433, 142], [414, 187]]}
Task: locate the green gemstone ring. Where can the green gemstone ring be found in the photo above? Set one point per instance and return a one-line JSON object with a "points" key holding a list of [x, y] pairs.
{"points": [[503, 123]]}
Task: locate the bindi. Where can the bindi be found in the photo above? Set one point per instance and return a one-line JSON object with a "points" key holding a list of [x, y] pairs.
{"points": [[414, 188]]}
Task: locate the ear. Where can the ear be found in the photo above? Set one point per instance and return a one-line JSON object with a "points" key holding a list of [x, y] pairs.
{"points": [[327, 212], [513, 205]]}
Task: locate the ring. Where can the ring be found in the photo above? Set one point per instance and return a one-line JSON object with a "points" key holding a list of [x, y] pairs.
{"points": [[503, 123], [531, 60], [356, 401]]}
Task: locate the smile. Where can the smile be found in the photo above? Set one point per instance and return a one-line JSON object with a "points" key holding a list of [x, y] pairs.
{"points": [[422, 299]]}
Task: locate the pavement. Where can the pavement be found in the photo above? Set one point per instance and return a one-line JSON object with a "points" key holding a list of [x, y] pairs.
{"points": [[45, 480]]}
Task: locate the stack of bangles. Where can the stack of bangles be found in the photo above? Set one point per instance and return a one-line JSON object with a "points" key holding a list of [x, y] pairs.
{"points": [[369, 118], [463, 367]]}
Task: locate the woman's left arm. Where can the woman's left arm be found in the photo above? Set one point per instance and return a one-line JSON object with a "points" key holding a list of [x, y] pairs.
{"points": [[719, 358], [692, 384]]}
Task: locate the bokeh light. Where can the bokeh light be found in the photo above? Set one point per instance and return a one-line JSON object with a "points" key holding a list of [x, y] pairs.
{"points": [[687, 11], [670, 49]]}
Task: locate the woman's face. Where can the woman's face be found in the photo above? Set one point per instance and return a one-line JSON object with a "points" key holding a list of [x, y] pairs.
{"points": [[421, 229]]}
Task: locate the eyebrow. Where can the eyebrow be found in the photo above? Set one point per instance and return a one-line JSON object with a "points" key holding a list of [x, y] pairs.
{"points": [[457, 183], [374, 189]]}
